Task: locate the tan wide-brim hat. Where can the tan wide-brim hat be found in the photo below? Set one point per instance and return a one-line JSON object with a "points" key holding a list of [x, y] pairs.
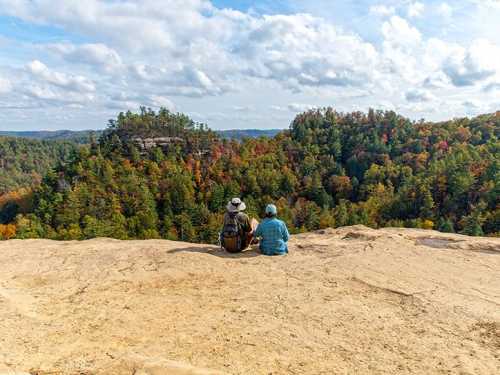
{"points": [[236, 205]]}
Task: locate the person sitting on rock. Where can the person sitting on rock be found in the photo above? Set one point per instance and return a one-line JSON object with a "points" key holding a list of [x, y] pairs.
{"points": [[237, 232], [273, 233]]}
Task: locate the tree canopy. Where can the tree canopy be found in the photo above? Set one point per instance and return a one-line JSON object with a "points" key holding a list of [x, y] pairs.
{"points": [[161, 175]]}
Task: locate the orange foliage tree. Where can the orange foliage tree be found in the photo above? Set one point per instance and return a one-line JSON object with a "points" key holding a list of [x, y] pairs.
{"points": [[7, 231]]}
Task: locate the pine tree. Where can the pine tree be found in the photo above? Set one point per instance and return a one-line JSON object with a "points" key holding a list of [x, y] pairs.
{"points": [[472, 226], [341, 214], [446, 226]]}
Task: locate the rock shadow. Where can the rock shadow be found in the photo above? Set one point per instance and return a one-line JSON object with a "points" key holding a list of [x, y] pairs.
{"points": [[251, 252]]}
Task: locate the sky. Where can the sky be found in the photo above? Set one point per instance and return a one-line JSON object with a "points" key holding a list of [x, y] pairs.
{"points": [[72, 64]]}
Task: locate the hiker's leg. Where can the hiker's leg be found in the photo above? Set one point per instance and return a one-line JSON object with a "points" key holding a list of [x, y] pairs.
{"points": [[248, 239], [245, 239], [254, 223]]}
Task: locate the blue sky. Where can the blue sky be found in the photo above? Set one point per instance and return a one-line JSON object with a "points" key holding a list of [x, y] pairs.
{"points": [[67, 64]]}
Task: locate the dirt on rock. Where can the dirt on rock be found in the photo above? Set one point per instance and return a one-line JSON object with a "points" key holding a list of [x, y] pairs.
{"points": [[346, 301]]}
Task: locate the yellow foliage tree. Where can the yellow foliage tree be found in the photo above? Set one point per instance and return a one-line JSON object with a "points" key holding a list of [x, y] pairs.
{"points": [[428, 224]]}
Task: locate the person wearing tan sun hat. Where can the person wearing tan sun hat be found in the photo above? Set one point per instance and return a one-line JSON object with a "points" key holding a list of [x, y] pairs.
{"points": [[237, 231]]}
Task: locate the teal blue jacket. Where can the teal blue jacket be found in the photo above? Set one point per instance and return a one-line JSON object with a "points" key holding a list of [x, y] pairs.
{"points": [[274, 236]]}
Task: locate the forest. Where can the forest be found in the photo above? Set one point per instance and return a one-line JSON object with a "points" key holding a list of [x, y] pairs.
{"points": [[23, 162], [161, 175]]}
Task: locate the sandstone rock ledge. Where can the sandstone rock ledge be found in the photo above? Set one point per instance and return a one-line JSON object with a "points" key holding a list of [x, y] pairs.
{"points": [[346, 301]]}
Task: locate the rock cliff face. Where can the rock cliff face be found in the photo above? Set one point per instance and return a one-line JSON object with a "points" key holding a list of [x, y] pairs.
{"points": [[163, 142], [350, 300]]}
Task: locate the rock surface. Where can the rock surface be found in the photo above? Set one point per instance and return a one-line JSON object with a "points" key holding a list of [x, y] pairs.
{"points": [[346, 301]]}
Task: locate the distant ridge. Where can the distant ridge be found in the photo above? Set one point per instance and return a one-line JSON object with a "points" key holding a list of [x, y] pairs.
{"points": [[83, 136], [239, 134]]}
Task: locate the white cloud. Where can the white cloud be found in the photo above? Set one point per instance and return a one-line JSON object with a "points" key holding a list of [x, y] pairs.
{"points": [[209, 46], [5, 86], [437, 80], [472, 107], [415, 9], [45, 95], [292, 107], [140, 26], [299, 107], [445, 10], [301, 50], [382, 10], [400, 33], [213, 60], [243, 108], [480, 61], [419, 95], [494, 86], [41, 93], [132, 101], [401, 47], [70, 82], [493, 4], [95, 54], [435, 63], [180, 80], [157, 101]]}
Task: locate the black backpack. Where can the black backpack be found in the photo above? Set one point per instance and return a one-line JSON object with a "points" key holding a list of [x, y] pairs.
{"points": [[231, 233]]}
